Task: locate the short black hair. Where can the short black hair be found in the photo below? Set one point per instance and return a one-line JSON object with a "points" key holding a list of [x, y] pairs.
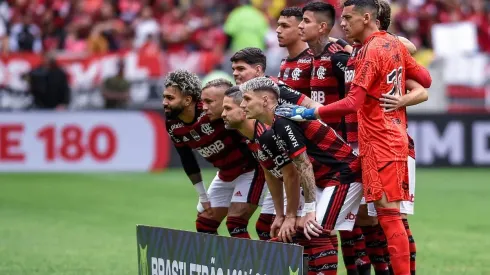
{"points": [[251, 56], [292, 11], [363, 5], [235, 93], [384, 15], [322, 8]]}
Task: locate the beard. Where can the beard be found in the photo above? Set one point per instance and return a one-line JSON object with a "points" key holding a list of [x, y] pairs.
{"points": [[231, 125], [173, 113]]}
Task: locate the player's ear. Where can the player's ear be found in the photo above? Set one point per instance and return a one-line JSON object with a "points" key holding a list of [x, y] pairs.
{"points": [[367, 17], [265, 99], [258, 70], [187, 100], [324, 27]]}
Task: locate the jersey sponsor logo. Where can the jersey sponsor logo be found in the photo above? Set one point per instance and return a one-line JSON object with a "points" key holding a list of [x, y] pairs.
{"points": [[304, 61], [212, 149], [318, 96], [279, 161], [175, 126], [281, 144], [291, 136], [351, 216], [320, 72], [201, 115], [195, 135], [325, 58], [276, 172], [349, 75], [286, 74], [207, 129], [341, 66], [412, 198], [296, 73]]}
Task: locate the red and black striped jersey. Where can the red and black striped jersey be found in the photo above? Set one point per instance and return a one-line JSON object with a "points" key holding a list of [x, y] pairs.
{"points": [[334, 162], [351, 124], [265, 150], [225, 149], [288, 95], [296, 72], [327, 81]]}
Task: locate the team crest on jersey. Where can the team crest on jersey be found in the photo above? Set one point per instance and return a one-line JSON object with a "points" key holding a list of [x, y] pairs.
{"points": [[286, 74], [320, 72], [185, 139], [195, 135], [207, 129], [296, 73]]}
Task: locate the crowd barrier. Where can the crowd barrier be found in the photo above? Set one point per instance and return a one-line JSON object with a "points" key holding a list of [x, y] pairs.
{"points": [[137, 141]]}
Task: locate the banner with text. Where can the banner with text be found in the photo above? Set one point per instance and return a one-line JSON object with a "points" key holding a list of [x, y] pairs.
{"points": [[451, 140], [83, 141], [164, 251], [440, 141], [143, 69]]}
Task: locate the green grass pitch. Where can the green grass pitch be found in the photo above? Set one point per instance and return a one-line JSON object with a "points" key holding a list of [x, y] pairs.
{"points": [[67, 224]]}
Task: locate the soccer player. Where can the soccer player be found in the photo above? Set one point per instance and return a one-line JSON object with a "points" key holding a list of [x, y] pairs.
{"points": [[247, 64], [269, 157], [327, 86], [392, 102], [381, 67], [237, 188], [295, 69], [312, 146]]}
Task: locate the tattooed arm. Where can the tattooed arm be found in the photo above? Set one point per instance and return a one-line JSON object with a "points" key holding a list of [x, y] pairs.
{"points": [[307, 179]]}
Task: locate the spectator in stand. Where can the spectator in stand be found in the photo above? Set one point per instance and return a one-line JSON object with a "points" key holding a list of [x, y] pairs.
{"points": [[115, 90], [246, 26], [48, 84], [407, 23], [4, 18], [145, 26], [177, 29], [25, 36], [480, 16]]}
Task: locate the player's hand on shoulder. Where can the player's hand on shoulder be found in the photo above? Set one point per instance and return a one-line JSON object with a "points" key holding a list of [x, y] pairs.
{"points": [[391, 103], [295, 112]]}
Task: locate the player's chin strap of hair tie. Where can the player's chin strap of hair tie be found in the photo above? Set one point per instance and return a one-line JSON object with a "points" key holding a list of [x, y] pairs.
{"points": [[203, 196], [309, 207]]}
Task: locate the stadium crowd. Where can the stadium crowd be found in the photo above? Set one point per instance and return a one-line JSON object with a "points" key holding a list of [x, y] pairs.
{"points": [[101, 26]]}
